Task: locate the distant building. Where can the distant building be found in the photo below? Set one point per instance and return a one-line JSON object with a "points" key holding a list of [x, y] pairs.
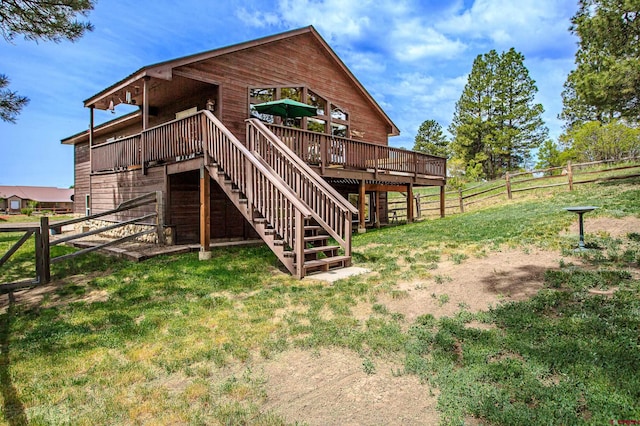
{"points": [[15, 198]]}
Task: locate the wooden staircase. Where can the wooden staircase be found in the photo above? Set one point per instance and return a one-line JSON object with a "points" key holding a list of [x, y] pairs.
{"points": [[306, 234]]}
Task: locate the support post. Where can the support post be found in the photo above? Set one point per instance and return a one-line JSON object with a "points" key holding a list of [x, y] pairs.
{"points": [[508, 183], [91, 125], [377, 209], [461, 200], [361, 207], [570, 175], [205, 215], [160, 218], [45, 259], [442, 201], [409, 202], [145, 122]]}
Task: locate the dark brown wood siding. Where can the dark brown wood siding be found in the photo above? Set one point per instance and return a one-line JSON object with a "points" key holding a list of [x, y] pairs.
{"points": [[109, 190], [227, 223], [292, 62], [81, 177]]}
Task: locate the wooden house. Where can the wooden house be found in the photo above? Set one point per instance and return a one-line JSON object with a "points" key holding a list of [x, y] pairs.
{"points": [[229, 173]]}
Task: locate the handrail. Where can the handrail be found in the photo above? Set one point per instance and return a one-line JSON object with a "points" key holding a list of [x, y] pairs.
{"points": [[328, 207], [304, 166], [268, 195]]}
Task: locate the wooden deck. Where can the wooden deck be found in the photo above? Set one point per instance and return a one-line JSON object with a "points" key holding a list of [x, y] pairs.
{"points": [[330, 156]]}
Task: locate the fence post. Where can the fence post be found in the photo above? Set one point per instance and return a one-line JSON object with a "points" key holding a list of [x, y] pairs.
{"points": [[508, 182], [418, 207], [43, 247], [570, 175], [442, 200], [160, 218], [461, 200]]}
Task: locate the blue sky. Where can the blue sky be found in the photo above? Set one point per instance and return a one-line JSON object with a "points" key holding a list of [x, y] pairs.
{"points": [[412, 56]]}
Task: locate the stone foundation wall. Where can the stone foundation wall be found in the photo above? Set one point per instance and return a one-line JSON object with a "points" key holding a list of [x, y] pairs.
{"points": [[124, 231]]}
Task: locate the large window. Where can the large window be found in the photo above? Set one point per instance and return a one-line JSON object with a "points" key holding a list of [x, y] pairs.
{"points": [[330, 117]]}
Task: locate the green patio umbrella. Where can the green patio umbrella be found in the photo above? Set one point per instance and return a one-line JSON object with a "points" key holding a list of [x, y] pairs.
{"points": [[286, 108]]}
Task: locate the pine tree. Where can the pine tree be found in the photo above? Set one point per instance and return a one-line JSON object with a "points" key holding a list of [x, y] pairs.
{"points": [[496, 122], [431, 140], [606, 82], [37, 20]]}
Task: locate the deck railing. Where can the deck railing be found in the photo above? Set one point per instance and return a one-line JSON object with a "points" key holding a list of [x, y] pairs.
{"points": [[328, 207], [116, 155], [182, 139], [176, 140], [327, 150]]}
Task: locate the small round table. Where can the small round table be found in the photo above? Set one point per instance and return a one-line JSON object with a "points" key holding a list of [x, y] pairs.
{"points": [[581, 210]]}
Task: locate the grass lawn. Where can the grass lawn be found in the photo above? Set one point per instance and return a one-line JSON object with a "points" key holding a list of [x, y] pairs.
{"points": [[172, 340]]}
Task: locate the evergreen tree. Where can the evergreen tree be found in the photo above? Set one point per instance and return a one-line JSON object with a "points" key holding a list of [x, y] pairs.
{"points": [[606, 82], [431, 140], [37, 20], [496, 122]]}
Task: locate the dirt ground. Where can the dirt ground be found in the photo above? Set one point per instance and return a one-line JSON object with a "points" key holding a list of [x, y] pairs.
{"points": [[331, 387]]}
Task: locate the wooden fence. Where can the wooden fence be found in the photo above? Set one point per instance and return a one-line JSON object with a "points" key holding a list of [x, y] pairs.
{"points": [[427, 203], [43, 242]]}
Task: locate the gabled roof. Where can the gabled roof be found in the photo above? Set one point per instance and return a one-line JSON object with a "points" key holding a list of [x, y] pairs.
{"points": [[43, 194], [164, 70]]}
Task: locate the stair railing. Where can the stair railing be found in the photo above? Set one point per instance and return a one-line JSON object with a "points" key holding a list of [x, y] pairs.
{"points": [[265, 193], [328, 207]]}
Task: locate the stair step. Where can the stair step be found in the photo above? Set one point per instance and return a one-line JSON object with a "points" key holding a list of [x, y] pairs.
{"points": [[259, 220], [327, 263], [236, 190], [313, 228], [278, 242], [321, 249], [243, 201], [313, 238]]}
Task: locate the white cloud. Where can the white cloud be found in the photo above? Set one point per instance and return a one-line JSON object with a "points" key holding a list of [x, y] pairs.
{"points": [[415, 41], [530, 24], [257, 18]]}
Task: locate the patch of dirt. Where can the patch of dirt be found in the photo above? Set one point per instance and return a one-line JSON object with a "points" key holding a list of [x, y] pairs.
{"points": [[475, 284], [331, 387], [54, 294], [606, 226]]}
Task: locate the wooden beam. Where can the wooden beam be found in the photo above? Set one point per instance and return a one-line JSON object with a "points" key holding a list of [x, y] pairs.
{"points": [[145, 103], [442, 201], [361, 206], [377, 209], [410, 203], [205, 214], [385, 188]]}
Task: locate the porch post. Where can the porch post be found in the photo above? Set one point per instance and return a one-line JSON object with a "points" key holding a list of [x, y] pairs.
{"points": [[205, 215], [361, 208], [145, 103], [91, 136], [409, 202], [377, 209]]}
